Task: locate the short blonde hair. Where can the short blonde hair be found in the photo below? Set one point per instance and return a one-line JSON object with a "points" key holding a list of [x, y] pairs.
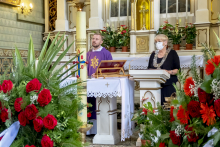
{"points": [[97, 33], [161, 37]]}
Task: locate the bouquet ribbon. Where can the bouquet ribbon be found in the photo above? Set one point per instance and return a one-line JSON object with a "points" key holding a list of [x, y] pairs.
{"points": [[9, 134]]}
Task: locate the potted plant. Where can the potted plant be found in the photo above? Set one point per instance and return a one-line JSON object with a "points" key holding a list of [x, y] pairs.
{"points": [[166, 29], [110, 39], [176, 39], [124, 38], [144, 124], [190, 35]]}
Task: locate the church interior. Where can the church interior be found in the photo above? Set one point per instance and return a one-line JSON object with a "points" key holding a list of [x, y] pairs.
{"points": [[134, 24]]}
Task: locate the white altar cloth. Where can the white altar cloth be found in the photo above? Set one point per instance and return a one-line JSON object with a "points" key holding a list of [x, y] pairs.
{"points": [[142, 62], [116, 87]]}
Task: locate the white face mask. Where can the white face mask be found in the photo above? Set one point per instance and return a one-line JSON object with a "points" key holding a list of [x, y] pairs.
{"points": [[159, 45]]}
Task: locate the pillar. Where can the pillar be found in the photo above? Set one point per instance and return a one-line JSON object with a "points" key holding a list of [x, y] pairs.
{"points": [[202, 24], [156, 11], [96, 21], [62, 22]]}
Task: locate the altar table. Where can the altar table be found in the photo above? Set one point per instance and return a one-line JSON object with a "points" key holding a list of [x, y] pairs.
{"points": [[106, 92]]}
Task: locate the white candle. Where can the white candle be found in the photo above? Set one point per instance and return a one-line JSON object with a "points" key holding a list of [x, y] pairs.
{"points": [[186, 9], [127, 12], [166, 8], [110, 13], [118, 13], [177, 10]]}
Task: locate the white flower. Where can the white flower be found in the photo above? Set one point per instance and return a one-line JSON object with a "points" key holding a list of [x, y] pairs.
{"points": [[33, 99], [6, 98], [179, 130]]}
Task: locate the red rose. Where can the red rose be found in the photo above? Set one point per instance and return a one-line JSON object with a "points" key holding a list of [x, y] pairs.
{"points": [[4, 114], [22, 118], [46, 141], [33, 85], [0, 105], [50, 122], [162, 144], [38, 124], [7, 85], [124, 31], [217, 107], [194, 108], [30, 146], [31, 112], [175, 139], [44, 97], [17, 104], [191, 135], [89, 114], [205, 97]]}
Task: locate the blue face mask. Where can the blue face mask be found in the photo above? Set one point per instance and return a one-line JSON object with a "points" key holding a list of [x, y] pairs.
{"points": [[159, 45]]}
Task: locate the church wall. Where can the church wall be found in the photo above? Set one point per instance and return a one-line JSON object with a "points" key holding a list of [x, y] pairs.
{"points": [[15, 29]]}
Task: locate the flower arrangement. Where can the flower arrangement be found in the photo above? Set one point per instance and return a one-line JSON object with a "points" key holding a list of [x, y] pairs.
{"points": [[166, 29], [124, 36], [32, 96], [190, 33]]}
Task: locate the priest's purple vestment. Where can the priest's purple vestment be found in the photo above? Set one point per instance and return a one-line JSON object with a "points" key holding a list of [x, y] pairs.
{"points": [[94, 58]]}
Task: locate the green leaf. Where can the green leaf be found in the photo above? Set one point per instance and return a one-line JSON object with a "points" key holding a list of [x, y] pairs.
{"points": [[175, 102], [216, 138], [206, 85], [164, 136], [216, 74], [19, 59], [200, 141]]}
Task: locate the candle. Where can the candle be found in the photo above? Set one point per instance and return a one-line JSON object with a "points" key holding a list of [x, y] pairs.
{"points": [[110, 13], [36, 62], [186, 10], [177, 10], [166, 8], [119, 13], [127, 12]]}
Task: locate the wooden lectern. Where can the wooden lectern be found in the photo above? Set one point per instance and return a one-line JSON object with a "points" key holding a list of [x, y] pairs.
{"points": [[111, 68]]}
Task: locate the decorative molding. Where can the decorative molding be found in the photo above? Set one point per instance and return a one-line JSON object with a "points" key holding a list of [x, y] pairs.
{"points": [[152, 98], [150, 88], [9, 53], [212, 12], [142, 43], [52, 14], [198, 36], [11, 2]]}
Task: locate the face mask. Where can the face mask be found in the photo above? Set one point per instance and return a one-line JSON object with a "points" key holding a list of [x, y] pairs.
{"points": [[159, 45]]}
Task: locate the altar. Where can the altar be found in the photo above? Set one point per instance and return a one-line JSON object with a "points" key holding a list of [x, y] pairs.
{"points": [[106, 92]]}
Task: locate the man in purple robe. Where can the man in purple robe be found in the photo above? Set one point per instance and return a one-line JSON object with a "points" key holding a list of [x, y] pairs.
{"points": [[94, 57]]}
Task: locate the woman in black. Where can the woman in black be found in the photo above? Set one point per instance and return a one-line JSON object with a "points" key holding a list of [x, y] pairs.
{"points": [[165, 58]]}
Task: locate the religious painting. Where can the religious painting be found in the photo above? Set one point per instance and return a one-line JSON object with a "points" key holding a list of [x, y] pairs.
{"points": [[123, 8], [172, 6], [11, 2], [142, 43]]}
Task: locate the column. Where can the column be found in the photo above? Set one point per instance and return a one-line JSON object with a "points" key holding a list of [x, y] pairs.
{"points": [[202, 24], [202, 14], [46, 10], [62, 22], [156, 11], [96, 21]]}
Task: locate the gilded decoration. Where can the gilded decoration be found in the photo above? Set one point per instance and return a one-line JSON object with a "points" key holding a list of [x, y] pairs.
{"points": [[142, 43], [94, 62], [11, 2], [142, 16], [149, 96], [52, 14], [212, 12], [6, 59]]}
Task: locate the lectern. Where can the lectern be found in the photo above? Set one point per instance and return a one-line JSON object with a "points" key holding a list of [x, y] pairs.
{"points": [[150, 86]]}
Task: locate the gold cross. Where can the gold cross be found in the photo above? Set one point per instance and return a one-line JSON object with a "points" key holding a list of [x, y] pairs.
{"points": [[94, 62], [107, 84], [144, 11]]}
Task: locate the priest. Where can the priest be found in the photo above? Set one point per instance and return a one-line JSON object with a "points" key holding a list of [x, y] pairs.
{"points": [[94, 57]]}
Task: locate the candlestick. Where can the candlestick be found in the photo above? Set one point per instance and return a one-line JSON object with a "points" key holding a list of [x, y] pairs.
{"points": [[177, 10], [166, 8]]}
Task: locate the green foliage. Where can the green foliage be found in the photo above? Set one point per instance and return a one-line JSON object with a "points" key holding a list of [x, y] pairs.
{"points": [[195, 74], [208, 52], [206, 85], [124, 36], [166, 30], [110, 38]]}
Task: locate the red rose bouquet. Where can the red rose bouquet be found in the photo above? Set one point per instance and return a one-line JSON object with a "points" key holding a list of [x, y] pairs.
{"points": [[32, 95]]}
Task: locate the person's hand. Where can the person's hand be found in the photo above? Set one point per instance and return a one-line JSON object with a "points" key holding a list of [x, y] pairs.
{"points": [[168, 71], [93, 75]]}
